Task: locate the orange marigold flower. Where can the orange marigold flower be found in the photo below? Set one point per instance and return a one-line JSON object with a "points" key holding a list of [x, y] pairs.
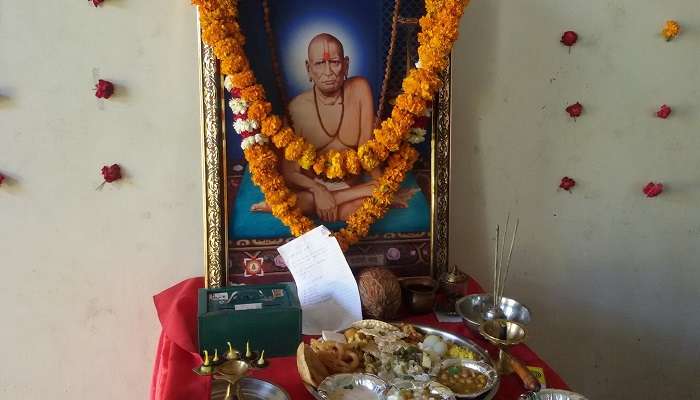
{"points": [[243, 79], [270, 125], [283, 137], [213, 33], [226, 47], [421, 83], [233, 64], [388, 136], [671, 30], [402, 117], [321, 164], [259, 110], [253, 93], [295, 149], [414, 105]]}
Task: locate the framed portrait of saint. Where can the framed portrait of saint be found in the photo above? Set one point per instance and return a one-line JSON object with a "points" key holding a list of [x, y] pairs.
{"points": [[331, 70]]}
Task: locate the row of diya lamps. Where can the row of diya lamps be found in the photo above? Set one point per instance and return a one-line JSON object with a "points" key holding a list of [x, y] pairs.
{"points": [[252, 358]]}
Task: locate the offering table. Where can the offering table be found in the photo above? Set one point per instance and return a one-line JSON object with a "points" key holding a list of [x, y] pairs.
{"points": [[176, 355]]}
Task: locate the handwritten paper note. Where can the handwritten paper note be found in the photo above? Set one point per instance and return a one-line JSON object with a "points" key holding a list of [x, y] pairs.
{"points": [[327, 289]]}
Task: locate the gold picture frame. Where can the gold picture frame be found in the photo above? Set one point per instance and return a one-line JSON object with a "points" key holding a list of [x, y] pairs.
{"points": [[214, 172]]}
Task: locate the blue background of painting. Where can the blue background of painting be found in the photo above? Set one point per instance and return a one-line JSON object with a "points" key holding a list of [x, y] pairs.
{"points": [[362, 19]]}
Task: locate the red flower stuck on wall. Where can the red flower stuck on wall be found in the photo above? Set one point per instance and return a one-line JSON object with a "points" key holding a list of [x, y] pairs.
{"points": [[653, 189], [575, 110], [567, 183], [569, 38], [96, 2], [104, 89], [664, 112], [112, 173], [2, 178]]}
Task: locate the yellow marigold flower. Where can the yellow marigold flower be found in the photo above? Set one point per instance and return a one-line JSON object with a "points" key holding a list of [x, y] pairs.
{"points": [[368, 159], [352, 162], [259, 110], [335, 168], [243, 79], [671, 30], [308, 157], [270, 125]]}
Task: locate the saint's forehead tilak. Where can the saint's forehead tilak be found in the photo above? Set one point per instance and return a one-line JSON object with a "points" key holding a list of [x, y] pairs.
{"points": [[325, 47]]}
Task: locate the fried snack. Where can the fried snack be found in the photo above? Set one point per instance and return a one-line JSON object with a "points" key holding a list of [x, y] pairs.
{"points": [[346, 362], [355, 337], [413, 336], [311, 370], [374, 324], [336, 357]]}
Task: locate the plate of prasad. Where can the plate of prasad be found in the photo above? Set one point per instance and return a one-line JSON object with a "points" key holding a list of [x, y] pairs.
{"points": [[376, 360]]}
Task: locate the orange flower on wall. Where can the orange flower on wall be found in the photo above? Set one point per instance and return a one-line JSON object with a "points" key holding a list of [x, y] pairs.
{"points": [[671, 30]]}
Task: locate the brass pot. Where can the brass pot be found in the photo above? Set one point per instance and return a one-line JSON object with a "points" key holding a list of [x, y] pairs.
{"points": [[419, 294]]}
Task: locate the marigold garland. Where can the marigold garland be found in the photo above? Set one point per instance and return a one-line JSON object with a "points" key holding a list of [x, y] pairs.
{"points": [[390, 141], [439, 31]]}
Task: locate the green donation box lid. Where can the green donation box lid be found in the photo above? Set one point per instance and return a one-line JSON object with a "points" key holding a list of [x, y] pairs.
{"points": [[267, 316]]}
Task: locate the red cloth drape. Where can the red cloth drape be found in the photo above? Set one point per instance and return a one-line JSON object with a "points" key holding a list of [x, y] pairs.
{"points": [[176, 355], [177, 351]]}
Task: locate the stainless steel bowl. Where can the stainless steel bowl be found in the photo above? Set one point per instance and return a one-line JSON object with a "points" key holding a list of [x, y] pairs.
{"points": [[436, 390], [479, 366], [472, 309], [251, 389], [339, 382], [552, 394]]}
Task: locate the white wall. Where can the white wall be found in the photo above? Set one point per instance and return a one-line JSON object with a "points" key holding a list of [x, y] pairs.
{"points": [[612, 277], [80, 265]]}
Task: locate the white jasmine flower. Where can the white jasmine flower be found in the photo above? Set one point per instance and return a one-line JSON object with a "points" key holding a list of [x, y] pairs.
{"points": [[415, 139], [238, 106], [260, 139], [241, 125], [253, 125], [228, 84], [247, 142]]}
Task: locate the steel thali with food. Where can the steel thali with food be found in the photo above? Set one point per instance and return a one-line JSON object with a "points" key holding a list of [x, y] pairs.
{"points": [[455, 341]]}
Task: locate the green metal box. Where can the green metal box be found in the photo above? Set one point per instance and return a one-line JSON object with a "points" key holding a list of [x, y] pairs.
{"points": [[269, 316]]}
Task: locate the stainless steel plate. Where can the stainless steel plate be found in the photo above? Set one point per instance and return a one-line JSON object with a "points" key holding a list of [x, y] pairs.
{"points": [[437, 390], [251, 389], [451, 337], [554, 394], [341, 382]]}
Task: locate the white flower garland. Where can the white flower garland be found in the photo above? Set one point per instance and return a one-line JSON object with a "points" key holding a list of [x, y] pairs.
{"points": [[249, 129]]}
